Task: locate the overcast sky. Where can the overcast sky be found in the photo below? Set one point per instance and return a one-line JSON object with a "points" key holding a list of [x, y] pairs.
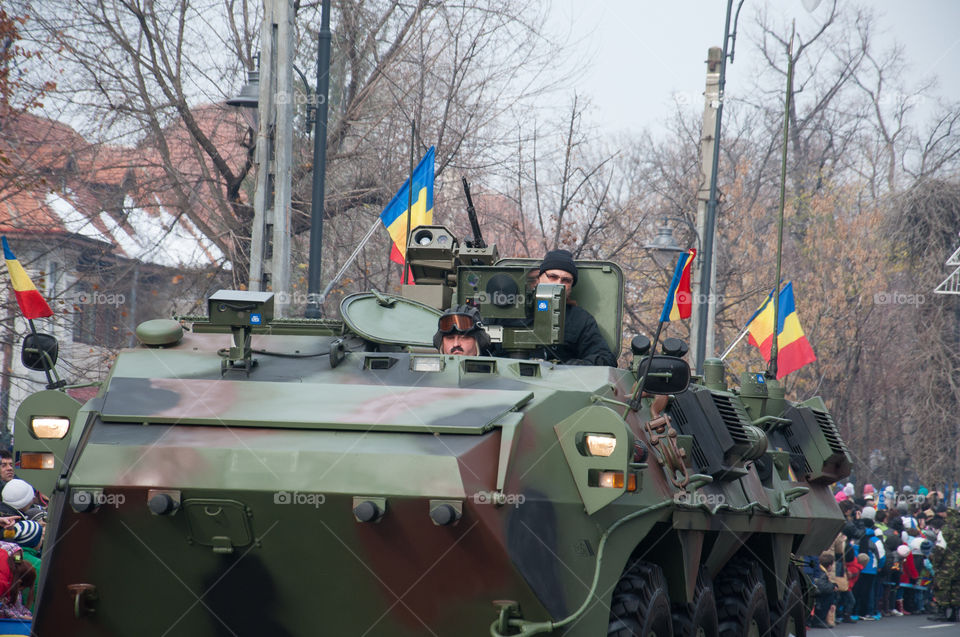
{"points": [[639, 56]]}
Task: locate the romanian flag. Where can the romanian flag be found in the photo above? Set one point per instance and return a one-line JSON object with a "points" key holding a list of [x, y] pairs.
{"points": [[31, 302], [395, 215], [793, 348], [760, 326], [679, 301]]}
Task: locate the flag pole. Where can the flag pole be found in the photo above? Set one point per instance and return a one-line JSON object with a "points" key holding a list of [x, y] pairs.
{"points": [[774, 349], [684, 263], [634, 402], [349, 262], [734, 344], [406, 265]]}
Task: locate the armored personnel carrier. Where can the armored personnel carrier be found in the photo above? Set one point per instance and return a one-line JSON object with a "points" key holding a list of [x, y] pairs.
{"points": [[240, 474]]}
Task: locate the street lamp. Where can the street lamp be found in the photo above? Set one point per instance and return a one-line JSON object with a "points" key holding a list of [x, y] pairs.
{"points": [[664, 247], [248, 99]]}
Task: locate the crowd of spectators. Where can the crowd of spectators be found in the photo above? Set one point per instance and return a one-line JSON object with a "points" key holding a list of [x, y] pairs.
{"points": [[23, 514], [897, 554]]}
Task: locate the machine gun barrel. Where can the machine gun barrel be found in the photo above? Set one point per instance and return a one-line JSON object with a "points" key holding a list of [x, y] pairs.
{"points": [[478, 241]]}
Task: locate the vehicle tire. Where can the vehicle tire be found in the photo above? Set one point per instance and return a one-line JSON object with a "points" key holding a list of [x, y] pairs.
{"points": [[641, 605], [742, 607], [790, 613], [698, 619]]}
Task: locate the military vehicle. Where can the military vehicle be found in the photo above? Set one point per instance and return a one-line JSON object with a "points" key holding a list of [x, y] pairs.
{"points": [[241, 474]]}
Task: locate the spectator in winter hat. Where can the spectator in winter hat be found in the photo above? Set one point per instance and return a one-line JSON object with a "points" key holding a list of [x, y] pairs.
{"points": [[868, 513], [23, 532], [17, 495], [849, 490]]}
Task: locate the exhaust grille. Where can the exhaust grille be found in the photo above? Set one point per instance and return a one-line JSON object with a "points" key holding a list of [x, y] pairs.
{"points": [[731, 418], [830, 432]]}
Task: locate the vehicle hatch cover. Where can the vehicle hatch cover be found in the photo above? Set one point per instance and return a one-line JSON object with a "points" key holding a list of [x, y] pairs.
{"points": [[387, 319]]}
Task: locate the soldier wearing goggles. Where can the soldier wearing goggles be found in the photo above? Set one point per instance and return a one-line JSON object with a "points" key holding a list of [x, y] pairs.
{"points": [[460, 331]]}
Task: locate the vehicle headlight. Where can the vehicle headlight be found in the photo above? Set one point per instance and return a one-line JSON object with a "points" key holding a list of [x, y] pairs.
{"points": [[599, 444], [55, 427]]}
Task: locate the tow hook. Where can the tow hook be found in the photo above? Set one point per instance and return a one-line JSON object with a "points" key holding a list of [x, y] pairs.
{"points": [[508, 610], [84, 599]]}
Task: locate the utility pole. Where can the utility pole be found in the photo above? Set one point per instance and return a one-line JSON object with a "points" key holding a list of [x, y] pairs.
{"points": [[314, 298], [270, 240], [711, 102]]}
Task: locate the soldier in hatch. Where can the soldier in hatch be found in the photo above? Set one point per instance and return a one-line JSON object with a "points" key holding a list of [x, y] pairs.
{"points": [[582, 342], [460, 331]]}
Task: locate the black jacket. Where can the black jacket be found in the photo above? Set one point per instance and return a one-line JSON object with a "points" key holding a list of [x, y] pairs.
{"points": [[582, 342]]}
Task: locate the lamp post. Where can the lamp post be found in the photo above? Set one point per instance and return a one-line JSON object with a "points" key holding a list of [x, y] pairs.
{"points": [[706, 309], [249, 102], [314, 272]]}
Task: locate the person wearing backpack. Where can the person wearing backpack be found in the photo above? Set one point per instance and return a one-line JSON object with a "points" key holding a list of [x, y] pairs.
{"points": [[865, 590]]}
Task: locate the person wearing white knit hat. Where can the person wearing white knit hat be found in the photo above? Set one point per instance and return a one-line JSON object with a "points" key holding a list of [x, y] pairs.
{"points": [[18, 494]]}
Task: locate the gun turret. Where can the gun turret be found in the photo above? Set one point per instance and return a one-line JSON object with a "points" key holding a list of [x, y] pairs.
{"points": [[434, 254], [478, 241]]}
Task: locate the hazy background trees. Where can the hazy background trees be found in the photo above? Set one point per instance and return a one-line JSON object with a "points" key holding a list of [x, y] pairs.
{"points": [[873, 187]]}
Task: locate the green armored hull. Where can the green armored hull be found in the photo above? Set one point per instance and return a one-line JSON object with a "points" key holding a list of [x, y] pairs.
{"points": [[397, 493], [253, 476]]}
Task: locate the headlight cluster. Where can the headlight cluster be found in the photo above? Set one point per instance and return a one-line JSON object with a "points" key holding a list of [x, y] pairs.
{"points": [[49, 427]]}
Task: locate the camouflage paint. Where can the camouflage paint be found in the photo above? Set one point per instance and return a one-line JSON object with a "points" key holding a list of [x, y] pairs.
{"points": [[267, 468]]}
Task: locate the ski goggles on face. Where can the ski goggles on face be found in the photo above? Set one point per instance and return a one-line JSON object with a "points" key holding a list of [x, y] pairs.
{"points": [[462, 323]]}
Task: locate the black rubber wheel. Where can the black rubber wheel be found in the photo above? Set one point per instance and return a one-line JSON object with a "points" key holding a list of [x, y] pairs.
{"points": [[698, 619], [641, 606], [790, 613], [742, 601]]}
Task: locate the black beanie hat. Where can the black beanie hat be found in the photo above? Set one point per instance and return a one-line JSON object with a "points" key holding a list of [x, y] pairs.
{"points": [[559, 260]]}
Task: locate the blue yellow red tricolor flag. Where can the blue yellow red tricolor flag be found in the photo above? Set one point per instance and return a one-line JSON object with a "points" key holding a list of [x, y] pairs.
{"points": [[394, 216], [760, 327], [793, 348], [31, 302], [679, 301]]}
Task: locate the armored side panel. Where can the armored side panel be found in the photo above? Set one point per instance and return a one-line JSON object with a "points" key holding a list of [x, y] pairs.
{"points": [[717, 422], [814, 435]]}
